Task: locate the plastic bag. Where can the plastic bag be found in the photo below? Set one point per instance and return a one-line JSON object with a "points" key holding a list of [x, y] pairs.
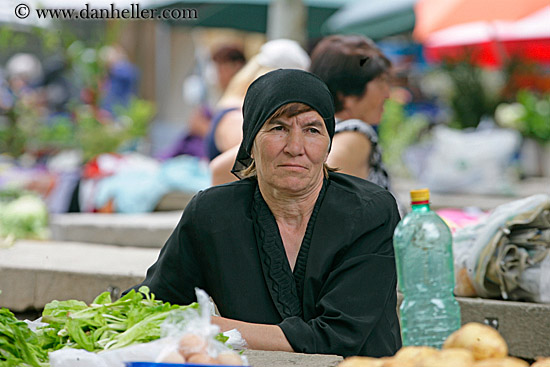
{"points": [[507, 254], [193, 337], [70, 357], [476, 161]]}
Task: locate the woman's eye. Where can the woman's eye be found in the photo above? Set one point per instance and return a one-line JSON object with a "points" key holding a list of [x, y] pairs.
{"points": [[313, 130], [277, 128]]}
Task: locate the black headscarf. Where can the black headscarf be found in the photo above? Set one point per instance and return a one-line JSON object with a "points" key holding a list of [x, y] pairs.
{"points": [[273, 90]]}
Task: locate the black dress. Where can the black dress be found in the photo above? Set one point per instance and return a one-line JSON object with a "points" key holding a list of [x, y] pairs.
{"points": [[341, 296]]}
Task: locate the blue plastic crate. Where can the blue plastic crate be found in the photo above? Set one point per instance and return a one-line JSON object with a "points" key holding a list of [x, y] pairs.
{"points": [[153, 364]]}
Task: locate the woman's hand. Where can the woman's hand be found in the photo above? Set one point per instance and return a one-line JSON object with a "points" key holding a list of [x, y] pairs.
{"points": [[257, 336]]}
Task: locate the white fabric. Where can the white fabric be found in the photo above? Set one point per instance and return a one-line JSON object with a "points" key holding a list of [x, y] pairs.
{"points": [[283, 53], [523, 274], [469, 161]]}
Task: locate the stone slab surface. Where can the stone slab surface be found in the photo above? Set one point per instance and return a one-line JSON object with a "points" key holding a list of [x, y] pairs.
{"points": [[257, 358], [143, 230], [33, 273], [525, 188], [524, 326], [176, 200]]}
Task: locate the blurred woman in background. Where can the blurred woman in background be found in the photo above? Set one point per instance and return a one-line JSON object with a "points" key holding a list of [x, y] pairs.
{"points": [[226, 128], [358, 75]]}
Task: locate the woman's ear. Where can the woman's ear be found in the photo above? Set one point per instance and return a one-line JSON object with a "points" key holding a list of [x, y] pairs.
{"points": [[341, 99], [346, 102]]}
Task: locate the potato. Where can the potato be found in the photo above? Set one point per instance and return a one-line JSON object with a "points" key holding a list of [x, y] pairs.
{"points": [[482, 340], [458, 357], [361, 362], [406, 357], [501, 362], [170, 356], [542, 362], [229, 359], [201, 358], [463, 284], [392, 362], [414, 353], [192, 344]]}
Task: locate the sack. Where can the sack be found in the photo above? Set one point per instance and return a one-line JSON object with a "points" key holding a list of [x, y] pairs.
{"points": [[506, 255], [478, 161]]}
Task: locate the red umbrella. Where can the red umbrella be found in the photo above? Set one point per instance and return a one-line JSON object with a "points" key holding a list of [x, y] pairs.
{"points": [[433, 15], [492, 43]]}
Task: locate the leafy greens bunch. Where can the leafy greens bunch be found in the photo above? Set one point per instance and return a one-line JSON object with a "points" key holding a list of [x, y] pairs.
{"points": [[134, 318], [19, 346]]}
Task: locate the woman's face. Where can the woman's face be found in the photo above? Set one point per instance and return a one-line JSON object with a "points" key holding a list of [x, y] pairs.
{"points": [[370, 106], [289, 152]]}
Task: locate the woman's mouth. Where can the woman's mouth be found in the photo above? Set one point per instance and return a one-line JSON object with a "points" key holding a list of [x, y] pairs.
{"points": [[292, 166]]}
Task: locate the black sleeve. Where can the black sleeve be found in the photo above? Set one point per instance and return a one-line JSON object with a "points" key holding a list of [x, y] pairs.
{"points": [[357, 306], [176, 273]]}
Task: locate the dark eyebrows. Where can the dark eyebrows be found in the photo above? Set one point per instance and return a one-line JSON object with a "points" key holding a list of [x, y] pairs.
{"points": [[313, 123], [275, 122]]}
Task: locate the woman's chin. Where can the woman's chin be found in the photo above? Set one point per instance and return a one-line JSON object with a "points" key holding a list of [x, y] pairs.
{"points": [[294, 185]]}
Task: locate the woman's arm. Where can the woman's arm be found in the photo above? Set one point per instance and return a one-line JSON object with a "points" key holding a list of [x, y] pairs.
{"points": [[257, 336], [350, 153], [220, 167], [229, 131]]}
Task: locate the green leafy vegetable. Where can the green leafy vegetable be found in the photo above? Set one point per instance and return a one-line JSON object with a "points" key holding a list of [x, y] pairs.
{"points": [[134, 318], [19, 346], [23, 217]]}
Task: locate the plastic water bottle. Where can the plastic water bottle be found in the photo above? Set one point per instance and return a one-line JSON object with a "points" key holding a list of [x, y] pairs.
{"points": [[429, 312]]}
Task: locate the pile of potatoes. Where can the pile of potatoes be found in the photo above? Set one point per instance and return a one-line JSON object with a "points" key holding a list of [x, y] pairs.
{"points": [[473, 345], [193, 349]]}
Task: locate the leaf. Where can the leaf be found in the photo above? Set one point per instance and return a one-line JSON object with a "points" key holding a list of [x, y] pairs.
{"points": [[74, 327], [103, 298], [18, 344]]}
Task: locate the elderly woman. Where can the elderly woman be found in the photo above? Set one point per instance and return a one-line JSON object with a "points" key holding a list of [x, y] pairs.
{"points": [[297, 258]]}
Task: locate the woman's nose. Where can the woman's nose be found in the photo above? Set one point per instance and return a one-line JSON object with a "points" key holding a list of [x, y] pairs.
{"points": [[388, 91], [294, 143]]}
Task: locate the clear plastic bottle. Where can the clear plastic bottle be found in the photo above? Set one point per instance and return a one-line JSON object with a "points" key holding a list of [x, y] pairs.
{"points": [[429, 312]]}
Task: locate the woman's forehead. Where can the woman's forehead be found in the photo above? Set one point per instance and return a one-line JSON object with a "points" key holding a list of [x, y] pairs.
{"points": [[306, 117]]}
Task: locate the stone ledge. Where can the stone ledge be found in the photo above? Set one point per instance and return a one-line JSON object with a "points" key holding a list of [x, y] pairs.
{"points": [[522, 189], [259, 358], [33, 273], [525, 326], [141, 230]]}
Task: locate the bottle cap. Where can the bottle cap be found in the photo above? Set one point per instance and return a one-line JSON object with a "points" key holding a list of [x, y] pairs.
{"points": [[421, 196]]}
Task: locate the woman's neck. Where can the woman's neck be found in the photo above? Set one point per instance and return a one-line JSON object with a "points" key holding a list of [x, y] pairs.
{"points": [[288, 209], [346, 115], [343, 115]]}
